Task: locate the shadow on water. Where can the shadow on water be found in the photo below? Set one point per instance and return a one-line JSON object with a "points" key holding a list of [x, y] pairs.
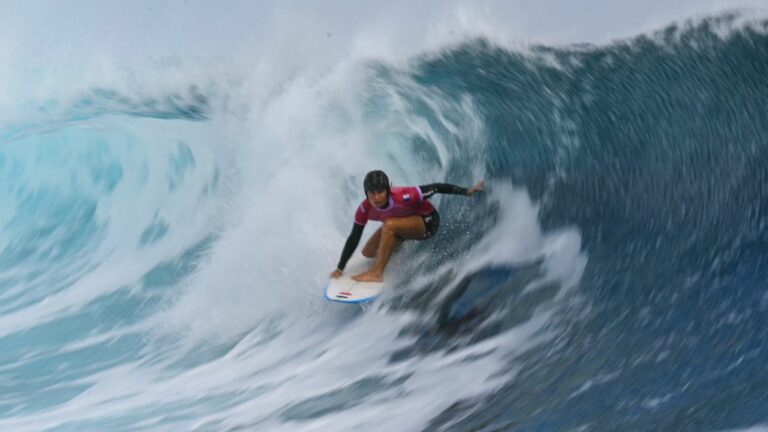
{"points": [[479, 306]]}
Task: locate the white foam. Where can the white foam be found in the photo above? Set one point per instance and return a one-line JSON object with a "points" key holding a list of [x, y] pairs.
{"points": [[300, 168], [516, 239], [51, 49], [307, 365]]}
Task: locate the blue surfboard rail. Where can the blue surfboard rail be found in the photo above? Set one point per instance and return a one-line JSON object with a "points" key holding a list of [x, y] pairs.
{"points": [[338, 300]]}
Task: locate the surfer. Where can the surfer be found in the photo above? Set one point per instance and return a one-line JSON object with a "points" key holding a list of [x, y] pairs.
{"points": [[405, 213]]}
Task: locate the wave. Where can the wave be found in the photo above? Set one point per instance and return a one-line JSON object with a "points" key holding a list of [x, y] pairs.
{"points": [[165, 249]]}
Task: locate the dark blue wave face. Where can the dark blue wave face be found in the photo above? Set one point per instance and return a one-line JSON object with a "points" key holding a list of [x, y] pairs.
{"points": [[656, 149]]}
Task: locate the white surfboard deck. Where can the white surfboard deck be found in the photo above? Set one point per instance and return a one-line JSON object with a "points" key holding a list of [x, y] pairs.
{"points": [[346, 290]]}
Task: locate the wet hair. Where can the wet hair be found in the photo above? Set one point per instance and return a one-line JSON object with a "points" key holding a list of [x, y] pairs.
{"points": [[376, 181]]}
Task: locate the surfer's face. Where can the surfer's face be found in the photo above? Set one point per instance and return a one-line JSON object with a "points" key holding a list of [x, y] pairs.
{"points": [[378, 198]]}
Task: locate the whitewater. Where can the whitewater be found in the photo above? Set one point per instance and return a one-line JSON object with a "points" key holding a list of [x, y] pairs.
{"points": [[177, 181]]}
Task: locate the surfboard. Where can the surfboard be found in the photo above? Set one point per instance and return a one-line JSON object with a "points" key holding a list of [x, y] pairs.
{"points": [[347, 290]]}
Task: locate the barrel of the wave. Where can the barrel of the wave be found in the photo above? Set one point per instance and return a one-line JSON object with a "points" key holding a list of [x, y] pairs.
{"points": [[406, 214]]}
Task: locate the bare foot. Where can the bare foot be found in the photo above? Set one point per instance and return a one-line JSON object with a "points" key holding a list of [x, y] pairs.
{"points": [[369, 276]]}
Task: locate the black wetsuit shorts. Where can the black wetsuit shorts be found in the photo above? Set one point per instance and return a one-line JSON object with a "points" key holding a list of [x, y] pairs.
{"points": [[432, 222]]}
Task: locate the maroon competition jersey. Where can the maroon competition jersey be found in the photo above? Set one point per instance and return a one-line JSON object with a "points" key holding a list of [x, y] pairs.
{"points": [[403, 201]]}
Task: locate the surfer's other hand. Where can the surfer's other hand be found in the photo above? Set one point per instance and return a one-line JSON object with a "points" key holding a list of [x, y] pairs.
{"points": [[336, 274], [478, 187]]}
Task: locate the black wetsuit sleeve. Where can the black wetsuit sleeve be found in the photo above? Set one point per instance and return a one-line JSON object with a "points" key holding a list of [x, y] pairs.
{"points": [[352, 241], [443, 188]]}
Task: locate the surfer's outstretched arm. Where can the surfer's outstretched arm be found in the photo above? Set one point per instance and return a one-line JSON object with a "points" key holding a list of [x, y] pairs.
{"points": [[349, 247], [447, 188]]}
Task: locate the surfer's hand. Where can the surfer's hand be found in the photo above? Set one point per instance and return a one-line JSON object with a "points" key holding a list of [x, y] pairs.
{"points": [[336, 274], [478, 187]]}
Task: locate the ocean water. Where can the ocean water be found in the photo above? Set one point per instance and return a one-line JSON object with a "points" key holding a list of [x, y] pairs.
{"points": [[174, 197]]}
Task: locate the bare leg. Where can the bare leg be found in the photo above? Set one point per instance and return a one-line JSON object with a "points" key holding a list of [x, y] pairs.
{"points": [[409, 227], [372, 246]]}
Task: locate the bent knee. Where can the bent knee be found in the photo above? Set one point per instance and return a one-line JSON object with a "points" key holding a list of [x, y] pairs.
{"points": [[389, 226], [369, 254]]}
